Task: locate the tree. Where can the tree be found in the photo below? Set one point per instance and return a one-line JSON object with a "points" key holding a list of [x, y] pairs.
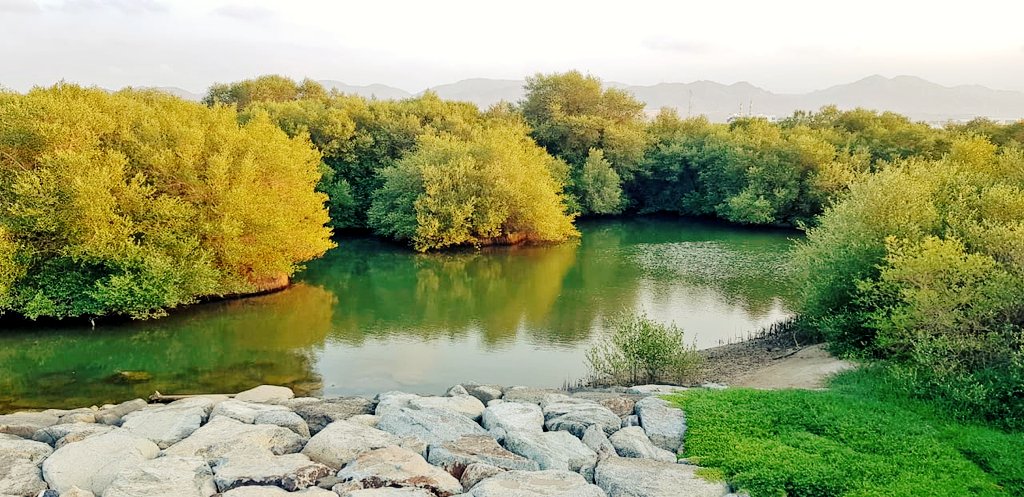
{"points": [[269, 88], [597, 186]]}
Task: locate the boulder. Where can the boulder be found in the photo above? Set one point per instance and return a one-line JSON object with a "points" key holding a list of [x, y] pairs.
{"points": [[456, 390], [25, 424], [83, 415], [389, 492], [633, 442], [511, 416], [595, 438], [291, 472], [623, 477], [633, 420], [264, 491], [324, 412], [529, 395], [485, 393], [75, 492], [620, 404], [433, 426], [245, 412], [342, 441], [266, 394], [58, 435], [552, 450], [467, 405], [664, 423], [365, 419], [456, 455], [284, 419], [655, 389], [398, 467], [223, 436], [19, 466], [112, 415], [393, 400], [91, 464], [204, 402], [164, 425], [575, 415], [550, 483], [170, 476], [477, 472]]}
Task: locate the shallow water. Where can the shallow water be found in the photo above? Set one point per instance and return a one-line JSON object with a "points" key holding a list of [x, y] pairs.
{"points": [[372, 317]]}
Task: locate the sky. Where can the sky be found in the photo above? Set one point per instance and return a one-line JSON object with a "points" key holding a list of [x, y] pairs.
{"points": [[785, 46]]}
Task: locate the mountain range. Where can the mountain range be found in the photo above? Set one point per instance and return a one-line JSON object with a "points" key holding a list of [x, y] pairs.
{"points": [[917, 98]]}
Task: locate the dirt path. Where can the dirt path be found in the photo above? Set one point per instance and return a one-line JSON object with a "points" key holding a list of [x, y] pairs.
{"points": [[771, 364]]}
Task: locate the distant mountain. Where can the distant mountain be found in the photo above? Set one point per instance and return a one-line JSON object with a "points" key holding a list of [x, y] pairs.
{"points": [[380, 92], [482, 92], [178, 92]]}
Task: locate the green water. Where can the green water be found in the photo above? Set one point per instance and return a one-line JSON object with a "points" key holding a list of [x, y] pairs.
{"points": [[371, 317]]}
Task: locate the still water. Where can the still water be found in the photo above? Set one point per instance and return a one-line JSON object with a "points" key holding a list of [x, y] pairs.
{"points": [[372, 316]]}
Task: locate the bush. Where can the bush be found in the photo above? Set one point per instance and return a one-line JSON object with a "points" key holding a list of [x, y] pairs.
{"points": [[640, 350]]}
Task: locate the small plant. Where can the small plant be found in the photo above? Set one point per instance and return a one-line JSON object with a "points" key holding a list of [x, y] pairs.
{"points": [[637, 349]]}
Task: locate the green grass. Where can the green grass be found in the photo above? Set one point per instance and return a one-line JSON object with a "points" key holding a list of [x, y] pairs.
{"points": [[860, 438]]}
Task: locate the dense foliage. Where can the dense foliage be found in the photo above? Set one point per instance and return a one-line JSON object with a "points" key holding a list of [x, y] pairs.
{"points": [[134, 202], [637, 349]]}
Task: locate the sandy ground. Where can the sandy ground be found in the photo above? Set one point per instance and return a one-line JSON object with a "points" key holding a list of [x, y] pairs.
{"points": [[771, 364]]}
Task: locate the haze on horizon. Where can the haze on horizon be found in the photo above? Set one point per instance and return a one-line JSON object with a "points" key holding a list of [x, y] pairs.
{"points": [[787, 46]]}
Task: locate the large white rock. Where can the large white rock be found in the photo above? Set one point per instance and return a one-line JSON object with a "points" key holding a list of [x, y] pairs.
{"points": [[389, 492], [467, 405], [432, 426], [112, 415], [24, 424], [655, 389], [245, 412], [264, 491], [284, 419], [575, 415], [266, 393], [485, 393], [342, 441], [633, 442], [291, 472], [511, 416], [59, 435], [552, 450], [74, 492], [530, 395], [92, 464], [204, 402], [550, 483], [223, 436], [164, 425], [476, 473], [455, 456], [595, 438], [321, 413], [623, 477], [398, 467], [170, 476], [393, 400], [664, 423], [19, 466]]}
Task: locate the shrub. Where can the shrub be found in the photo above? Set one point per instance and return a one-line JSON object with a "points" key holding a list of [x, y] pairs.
{"points": [[640, 350]]}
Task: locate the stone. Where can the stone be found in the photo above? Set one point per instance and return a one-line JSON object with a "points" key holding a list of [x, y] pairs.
{"points": [[619, 403], [266, 393], [714, 386], [204, 402], [365, 419], [19, 466], [623, 477], [25, 424], [633, 420], [456, 455], [389, 492], [50, 493], [633, 442], [456, 390], [77, 492], [259, 491], [291, 472], [284, 419], [393, 400], [575, 415], [552, 449], [655, 389], [91, 464], [164, 425], [398, 467], [112, 415], [433, 426], [467, 405], [245, 412], [528, 395], [549, 483], [477, 472], [513, 416], [664, 423], [83, 415], [58, 435], [485, 393], [322, 413], [170, 476], [342, 441], [223, 436], [595, 438]]}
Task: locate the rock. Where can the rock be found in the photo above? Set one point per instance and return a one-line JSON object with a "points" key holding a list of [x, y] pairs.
{"points": [[664, 424], [342, 441], [291, 472], [223, 436], [528, 395], [83, 415], [620, 404], [655, 389], [164, 425], [467, 405], [59, 435], [633, 442], [714, 386], [477, 472], [455, 456], [91, 464], [24, 424], [393, 400], [322, 413], [485, 393], [128, 377], [112, 415], [433, 426], [575, 415], [365, 419], [266, 491], [245, 412], [552, 449], [550, 483], [416, 445], [633, 420], [513, 416], [398, 467], [19, 466], [170, 476], [204, 402], [389, 492], [622, 477], [77, 492], [456, 390], [50, 493], [266, 393], [284, 419], [595, 438]]}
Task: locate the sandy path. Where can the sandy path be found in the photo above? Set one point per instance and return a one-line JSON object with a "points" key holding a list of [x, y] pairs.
{"points": [[771, 364]]}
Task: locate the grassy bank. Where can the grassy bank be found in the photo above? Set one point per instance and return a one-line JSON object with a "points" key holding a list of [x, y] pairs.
{"points": [[860, 438]]}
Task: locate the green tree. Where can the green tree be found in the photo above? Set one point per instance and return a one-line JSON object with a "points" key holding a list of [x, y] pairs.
{"points": [[598, 187]]}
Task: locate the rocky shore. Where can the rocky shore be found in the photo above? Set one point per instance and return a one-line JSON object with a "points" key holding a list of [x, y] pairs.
{"points": [[476, 440]]}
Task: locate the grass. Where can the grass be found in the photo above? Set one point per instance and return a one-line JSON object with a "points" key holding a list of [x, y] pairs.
{"points": [[860, 438]]}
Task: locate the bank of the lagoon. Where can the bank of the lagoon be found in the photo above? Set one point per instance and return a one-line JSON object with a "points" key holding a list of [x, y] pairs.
{"points": [[372, 316]]}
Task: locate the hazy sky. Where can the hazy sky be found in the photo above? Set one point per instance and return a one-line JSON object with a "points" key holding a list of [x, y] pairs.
{"points": [[781, 45]]}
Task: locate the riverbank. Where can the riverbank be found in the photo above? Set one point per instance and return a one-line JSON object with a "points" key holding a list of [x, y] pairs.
{"points": [[475, 440], [770, 363]]}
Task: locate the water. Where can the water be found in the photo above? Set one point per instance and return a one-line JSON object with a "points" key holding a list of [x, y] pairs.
{"points": [[372, 316]]}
